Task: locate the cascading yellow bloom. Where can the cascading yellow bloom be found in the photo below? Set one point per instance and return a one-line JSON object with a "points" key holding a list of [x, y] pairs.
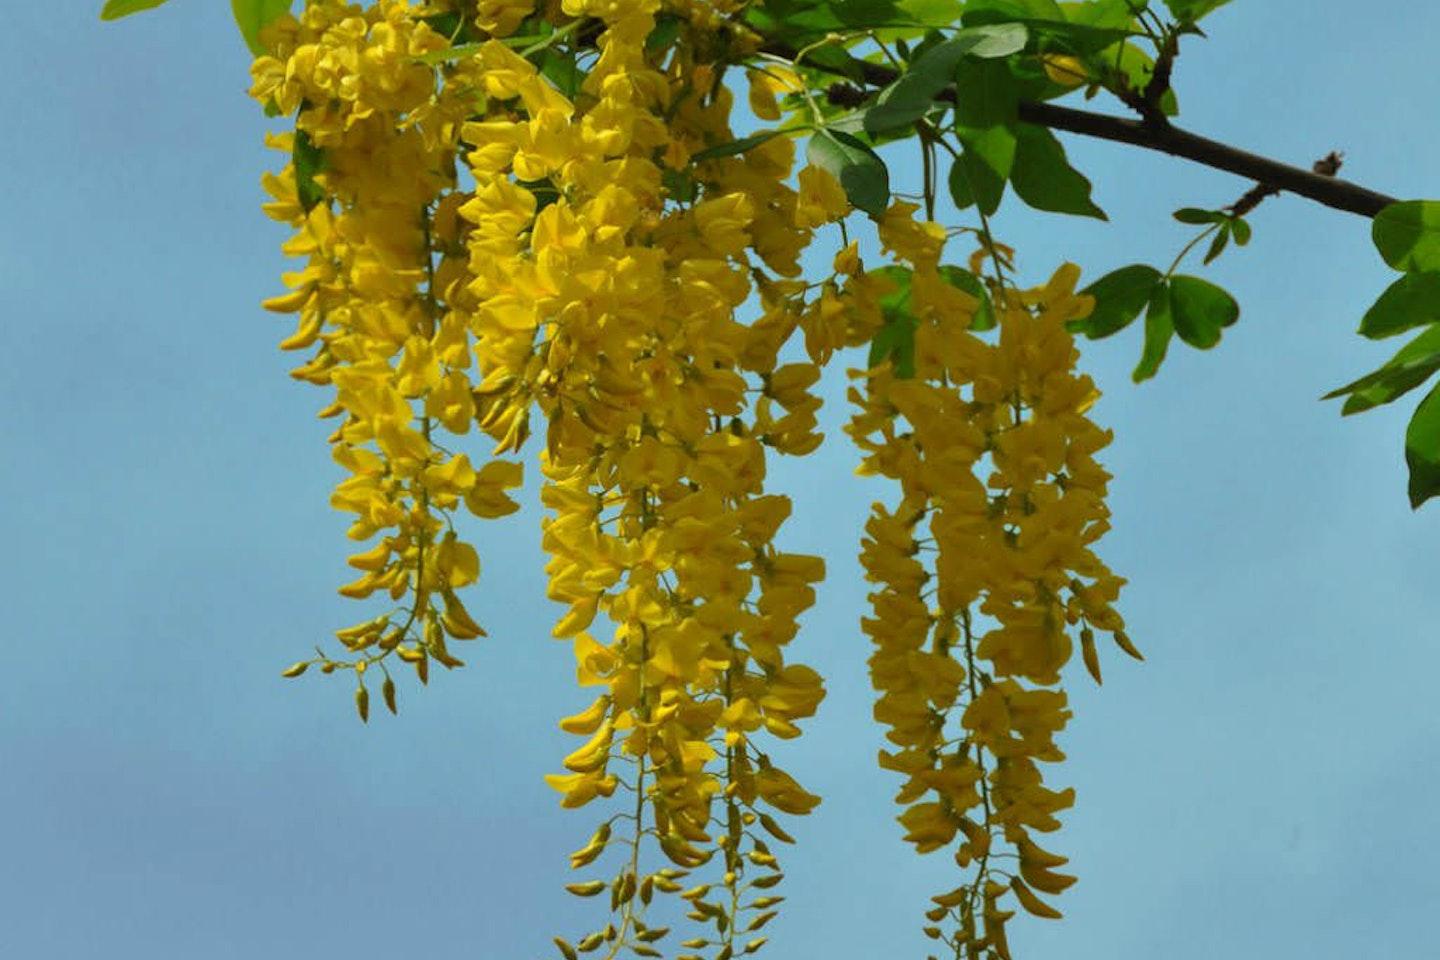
{"points": [[587, 279], [981, 569], [371, 219]]}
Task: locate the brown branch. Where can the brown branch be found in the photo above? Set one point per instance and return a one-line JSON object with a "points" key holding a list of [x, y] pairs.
{"points": [[1331, 191], [1166, 138]]}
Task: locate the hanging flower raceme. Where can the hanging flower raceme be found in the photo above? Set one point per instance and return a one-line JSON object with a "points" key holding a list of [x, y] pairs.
{"points": [[370, 191], [983, 568], [585, 280], [606, 276]]}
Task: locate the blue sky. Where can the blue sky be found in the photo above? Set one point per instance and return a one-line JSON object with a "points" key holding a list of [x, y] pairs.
{"points": [[1259, 786]]}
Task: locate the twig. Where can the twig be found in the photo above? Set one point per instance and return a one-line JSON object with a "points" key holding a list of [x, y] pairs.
{"points": [[1164, 138]]}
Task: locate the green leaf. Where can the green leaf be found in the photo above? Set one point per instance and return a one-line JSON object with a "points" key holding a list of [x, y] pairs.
{"points": [[895, 341], [1415, 363], [446, 24], [839, 61], [913, 95], [667, 28], [1119, 297], [1189, 11], [1194, 215], [680, 185], [252, 16], [1241, 228], [985, 121], [974, 181], [965, 280], [1077, 39], [1159, 328], [1200, 310], [115, 9], [1113, 14], [1080, 29], [309, 160], [910, 97], [1014, 9], [995, 147], [743, 145], [1043, 177], [932, 13], [1412, 301], [1137, 66], [785, 19], [992, 41], [1217, 246], [865, 14], [986, 95], [1407, 235], [860, 171], [563, 70], [899, 297], [961, 193], [1422, 449]]}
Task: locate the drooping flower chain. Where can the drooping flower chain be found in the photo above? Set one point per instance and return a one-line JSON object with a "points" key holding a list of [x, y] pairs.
{"points": [[982, 568], [379, 303], [594, 272]]}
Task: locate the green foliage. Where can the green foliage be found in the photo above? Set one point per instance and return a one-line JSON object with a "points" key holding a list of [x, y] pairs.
{"points": [[860, 171], [913, 95], [252, 16], [734, 147], [986, 117], [1013, 10], [1408, 369], [1195, 310], [1074, 30], [1159, 330], [309, 160], [1224, 224], [1412, 301], [896, 339], [1043, 178], [1422, 449], [800, 22], [1408, 235], [562, 69], [1412, 366], [1119, 297], [1190, 11], [115, 9], [1200, 310], [967, 281], [990, 53], [1134, 68], [1196, 216]]}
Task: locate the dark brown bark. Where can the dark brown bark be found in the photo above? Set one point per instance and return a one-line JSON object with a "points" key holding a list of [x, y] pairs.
{"points": [[1158, 134]]}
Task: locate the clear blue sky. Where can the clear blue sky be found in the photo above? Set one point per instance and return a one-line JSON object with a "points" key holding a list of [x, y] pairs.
{"points": [[1261, 786]]}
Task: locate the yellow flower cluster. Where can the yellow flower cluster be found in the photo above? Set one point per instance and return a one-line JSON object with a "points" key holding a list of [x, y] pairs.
{"points": [[982, 569], [371, 196], [607, 270], [590, 269], [550, 218]]}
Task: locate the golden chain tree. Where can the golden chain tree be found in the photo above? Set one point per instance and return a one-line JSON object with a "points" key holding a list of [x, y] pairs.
{"points": [[537, 217]]}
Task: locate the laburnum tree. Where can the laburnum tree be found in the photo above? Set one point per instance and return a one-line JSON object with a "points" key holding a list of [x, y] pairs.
{"points": [[544, 229]]}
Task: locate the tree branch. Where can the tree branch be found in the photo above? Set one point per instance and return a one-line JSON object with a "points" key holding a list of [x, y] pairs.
{"points": [[1332, 192], [1163, 137]]}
